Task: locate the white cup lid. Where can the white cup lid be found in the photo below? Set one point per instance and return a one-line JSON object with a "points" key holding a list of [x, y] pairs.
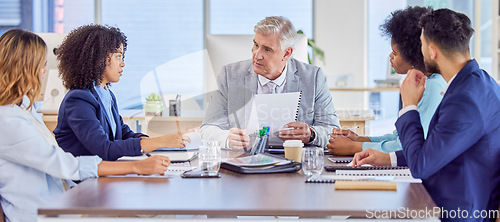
{"points": [[293, 143]]}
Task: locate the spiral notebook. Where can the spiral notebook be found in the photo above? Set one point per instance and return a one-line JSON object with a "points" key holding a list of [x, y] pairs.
{"points": [[274, 110], [399, 174]]}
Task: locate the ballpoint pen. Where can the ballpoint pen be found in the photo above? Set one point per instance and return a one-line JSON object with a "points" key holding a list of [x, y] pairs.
{"points": [[346, 129], [352, 128], [146, 153]]}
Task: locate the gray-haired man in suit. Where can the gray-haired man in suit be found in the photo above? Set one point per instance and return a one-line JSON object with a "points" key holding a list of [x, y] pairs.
{"points": [[271, 70]]}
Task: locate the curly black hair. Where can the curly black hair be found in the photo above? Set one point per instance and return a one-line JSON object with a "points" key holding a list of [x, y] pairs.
{"points": [[449, 30], [403, 29], [84, 53]]}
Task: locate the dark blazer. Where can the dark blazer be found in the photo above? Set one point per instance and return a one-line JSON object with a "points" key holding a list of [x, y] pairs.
{"points": [[83, 128], [459, 162]]}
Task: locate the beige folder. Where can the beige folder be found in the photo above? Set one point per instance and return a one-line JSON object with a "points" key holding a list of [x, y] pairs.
{"points": [[365, 185]]}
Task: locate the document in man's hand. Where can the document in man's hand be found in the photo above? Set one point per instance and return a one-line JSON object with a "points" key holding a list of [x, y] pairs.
{"points": [[273, 110]]}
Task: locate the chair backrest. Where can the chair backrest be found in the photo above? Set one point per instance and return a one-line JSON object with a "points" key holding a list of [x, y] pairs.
{"points": [[226, 49], [2, 216]]}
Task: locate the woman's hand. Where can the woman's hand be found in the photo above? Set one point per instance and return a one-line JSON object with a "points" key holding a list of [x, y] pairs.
{"points": [[156, 164], [351, 135], [175, 140]]}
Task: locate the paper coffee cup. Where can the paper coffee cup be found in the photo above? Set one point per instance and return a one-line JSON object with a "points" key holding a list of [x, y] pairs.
{"points": [[293, 150]]}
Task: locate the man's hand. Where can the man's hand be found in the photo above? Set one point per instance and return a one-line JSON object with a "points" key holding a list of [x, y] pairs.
{"points": [[238, 139], [300, 131], [341, 145], [372, 157], [413, 87]]}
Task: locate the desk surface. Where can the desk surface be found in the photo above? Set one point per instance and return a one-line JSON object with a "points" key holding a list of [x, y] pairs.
{"points": [[283, 194]]}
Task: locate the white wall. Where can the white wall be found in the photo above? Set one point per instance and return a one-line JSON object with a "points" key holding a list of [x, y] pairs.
{"points": [[340, 29]]}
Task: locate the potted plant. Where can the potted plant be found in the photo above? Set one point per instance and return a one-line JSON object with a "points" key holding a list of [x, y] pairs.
{"points": [[153, 106], [315, 49]]}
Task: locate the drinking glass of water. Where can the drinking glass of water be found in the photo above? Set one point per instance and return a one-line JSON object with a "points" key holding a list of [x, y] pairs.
{"points": [[209, 157], [312, 160]]}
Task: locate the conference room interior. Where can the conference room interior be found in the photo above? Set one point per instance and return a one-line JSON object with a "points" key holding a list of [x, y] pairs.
{"points": [[176, 48]]}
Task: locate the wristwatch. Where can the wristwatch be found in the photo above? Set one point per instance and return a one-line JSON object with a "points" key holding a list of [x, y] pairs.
{"points": [[313, 135]]}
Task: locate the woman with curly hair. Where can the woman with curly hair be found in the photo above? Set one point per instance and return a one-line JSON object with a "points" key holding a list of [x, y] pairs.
{"points": [[402, 26], [90, 59], [31, 163]]}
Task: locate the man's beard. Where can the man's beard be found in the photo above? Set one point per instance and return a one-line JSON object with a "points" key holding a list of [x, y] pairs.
{"points": [[431, 67]]}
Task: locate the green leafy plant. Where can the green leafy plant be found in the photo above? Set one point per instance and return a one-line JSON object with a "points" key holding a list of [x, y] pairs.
{"points": [[316, 50], [153, 97]]}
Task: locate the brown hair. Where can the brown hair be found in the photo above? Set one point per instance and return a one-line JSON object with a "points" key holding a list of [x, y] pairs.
{"points": [[23, 55]]}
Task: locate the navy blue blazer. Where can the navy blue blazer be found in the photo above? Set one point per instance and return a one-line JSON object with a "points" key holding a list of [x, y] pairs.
{"points": [[83, 128], [459, 162]]}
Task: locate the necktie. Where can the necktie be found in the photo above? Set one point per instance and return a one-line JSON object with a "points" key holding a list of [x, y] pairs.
{"points": [[270, 88]]}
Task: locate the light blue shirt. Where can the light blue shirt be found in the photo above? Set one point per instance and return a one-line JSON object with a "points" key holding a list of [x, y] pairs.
{"points": [[32, 165], [427, 106], [107, 101]]}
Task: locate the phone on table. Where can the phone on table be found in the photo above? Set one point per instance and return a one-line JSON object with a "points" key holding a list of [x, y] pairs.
{"points": [[199, 174]]}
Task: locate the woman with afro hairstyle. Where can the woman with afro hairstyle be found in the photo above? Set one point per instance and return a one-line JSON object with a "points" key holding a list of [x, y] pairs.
{"points": [[403, 28], [90, 59], [31, 163]]}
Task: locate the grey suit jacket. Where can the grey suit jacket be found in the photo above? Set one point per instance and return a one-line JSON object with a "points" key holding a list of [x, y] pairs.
{"points": [[237, 83]]}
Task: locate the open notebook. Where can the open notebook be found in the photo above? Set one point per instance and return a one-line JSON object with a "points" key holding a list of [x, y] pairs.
{"points": [[273, 110], [174, 156]]}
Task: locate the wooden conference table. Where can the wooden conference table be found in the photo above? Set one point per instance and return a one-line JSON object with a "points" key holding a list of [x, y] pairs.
{"points": [[284, 194]]}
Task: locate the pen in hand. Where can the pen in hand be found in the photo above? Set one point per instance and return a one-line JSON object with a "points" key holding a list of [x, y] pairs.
{"points": [[146, 153], [352, 128], [340, 132]]}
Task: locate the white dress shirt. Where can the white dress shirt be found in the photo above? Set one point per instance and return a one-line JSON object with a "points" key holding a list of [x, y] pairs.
{"points": [[280, 82], [32, 164]]}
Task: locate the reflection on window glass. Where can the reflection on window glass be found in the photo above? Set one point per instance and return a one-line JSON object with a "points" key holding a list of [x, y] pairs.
{"points": [[164, 54], [69, 15], [239, 17], [385, 104]]}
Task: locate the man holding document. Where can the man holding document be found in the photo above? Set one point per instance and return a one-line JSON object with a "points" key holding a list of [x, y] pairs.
{"points": [[270, 71]]}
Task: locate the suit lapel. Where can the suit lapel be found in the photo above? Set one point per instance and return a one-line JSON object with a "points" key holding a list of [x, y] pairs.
{"points": [[292, 79], [103, 110], [251, 82], [116, 115]]}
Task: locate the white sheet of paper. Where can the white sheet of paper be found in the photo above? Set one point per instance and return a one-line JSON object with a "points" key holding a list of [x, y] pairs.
{"points": [[273, 110], [172, 155], [193, 145], [174, 170]]}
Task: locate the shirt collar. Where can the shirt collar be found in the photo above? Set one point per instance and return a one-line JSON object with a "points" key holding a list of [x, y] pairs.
{"points": [[26, 101], [449, 83], [103, 93], [278, 81]]}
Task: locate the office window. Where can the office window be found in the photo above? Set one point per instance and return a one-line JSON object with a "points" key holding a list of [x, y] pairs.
{"points": [[385, 104], [165, 43], [239, 17], [10, 12], [69, 15]]}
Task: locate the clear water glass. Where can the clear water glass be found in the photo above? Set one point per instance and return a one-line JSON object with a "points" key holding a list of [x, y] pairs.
{"points": [[312, 160], [209, 157]]}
